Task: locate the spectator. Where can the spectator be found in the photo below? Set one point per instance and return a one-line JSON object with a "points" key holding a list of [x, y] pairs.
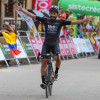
{"points": [[91, 32], [85, 24], [93, 40], [95, 37], [64, 32], [60, 12], [94, 34], [82, 34], [89, 26], [80, 28], [66, 14], [4, 27], [70, 32]]}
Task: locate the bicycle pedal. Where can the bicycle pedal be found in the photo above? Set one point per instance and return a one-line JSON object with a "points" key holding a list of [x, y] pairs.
{"points": [[43, 86]]}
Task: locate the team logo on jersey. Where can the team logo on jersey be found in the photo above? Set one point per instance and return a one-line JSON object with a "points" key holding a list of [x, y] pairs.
{"points": [[49, 26], [52, 28]]}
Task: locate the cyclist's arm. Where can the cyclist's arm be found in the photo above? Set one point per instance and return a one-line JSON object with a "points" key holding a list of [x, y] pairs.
{"points": [[19, 8], [78, 22], [65, 22], [82, 21]]}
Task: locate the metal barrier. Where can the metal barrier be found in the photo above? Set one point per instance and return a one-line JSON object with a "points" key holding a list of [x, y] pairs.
{"points": [[31, 43]]}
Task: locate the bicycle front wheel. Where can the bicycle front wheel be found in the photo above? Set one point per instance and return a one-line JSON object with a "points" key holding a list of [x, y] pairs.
{"points": [[51, 79], [47, 79]]}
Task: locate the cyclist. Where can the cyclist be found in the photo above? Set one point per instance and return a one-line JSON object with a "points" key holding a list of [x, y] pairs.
{"points": [[52, 31]]}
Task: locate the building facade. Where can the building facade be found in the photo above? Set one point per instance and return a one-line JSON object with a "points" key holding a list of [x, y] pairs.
{"points": [[8, 13]]}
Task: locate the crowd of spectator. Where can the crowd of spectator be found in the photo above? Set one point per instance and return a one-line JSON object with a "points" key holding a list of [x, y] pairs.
{"points": [[85, 30]]}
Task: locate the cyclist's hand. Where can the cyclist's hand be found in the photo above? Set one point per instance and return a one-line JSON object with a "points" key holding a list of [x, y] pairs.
{"points": [[90, 18], [19, 8]]}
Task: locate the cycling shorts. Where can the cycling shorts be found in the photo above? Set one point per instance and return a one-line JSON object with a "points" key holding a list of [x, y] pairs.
{"points": [[48, 49]]}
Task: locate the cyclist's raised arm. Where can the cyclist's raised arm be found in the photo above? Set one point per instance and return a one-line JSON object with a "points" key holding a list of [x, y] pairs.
{"points": [[19, 8], [82, 21]]}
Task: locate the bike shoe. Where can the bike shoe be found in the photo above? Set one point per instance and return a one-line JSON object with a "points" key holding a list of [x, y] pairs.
{"points": [[43, 86], [56, 77]]}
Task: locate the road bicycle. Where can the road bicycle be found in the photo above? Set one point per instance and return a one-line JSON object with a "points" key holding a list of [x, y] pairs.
{"points": [[49, 75]]}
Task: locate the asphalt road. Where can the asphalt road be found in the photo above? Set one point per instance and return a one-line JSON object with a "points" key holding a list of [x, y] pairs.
{"points": [[79, 79]]}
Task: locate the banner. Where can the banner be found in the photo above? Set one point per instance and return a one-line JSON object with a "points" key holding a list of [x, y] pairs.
{"points": [[75, 40], [62, 49], [5, 49], [29, 21], [74, 46], [71, 46], [33, 3], [42, 4], [81, 6], [39, 44], [81, 45], [88, 43], [34, 45], [1, 55], [85, 46], [65, 44], [27, 46], [22, 54], [38, 13], [42, 39]]}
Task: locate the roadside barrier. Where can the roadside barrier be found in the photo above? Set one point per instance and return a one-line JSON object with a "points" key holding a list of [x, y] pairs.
{"points": [[30, 45]]}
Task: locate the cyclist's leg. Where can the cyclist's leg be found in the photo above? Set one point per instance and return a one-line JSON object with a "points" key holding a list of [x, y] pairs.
{"points": [[43, 69], [57, 64], [57, 50], [43, 64]]}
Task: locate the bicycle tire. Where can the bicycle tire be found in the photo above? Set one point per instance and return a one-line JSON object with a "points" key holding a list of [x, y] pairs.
{"points": [[51, 79], [50, 88], [47, 82]]}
